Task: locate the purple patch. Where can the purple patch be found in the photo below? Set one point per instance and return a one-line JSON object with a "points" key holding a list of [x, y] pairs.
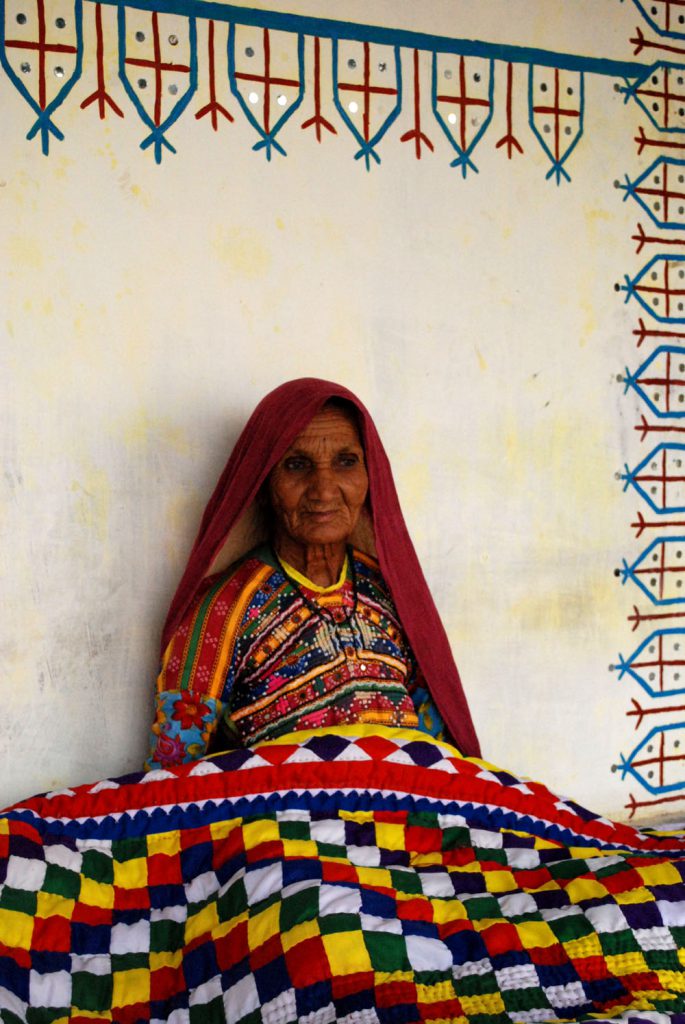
{"points": [[327, 747], [424, 754]]}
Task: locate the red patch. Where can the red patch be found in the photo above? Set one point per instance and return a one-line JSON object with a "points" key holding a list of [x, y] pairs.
{"points": [[135, 1013], [195, 836], [591, 968], [643, 981], [334, 871], [85, 914], [52, 934], [447, 1009], [307, 960], [501, 938], [423, 840], [266, 953], [376, 747], [534, 878], [164, 870], [21, 957], [277, 753], [549, 956], [131, 899], [415, 910], [622, 881], [166, 981], [230, 948], [269, 850], [395, 993], [351, 984]]}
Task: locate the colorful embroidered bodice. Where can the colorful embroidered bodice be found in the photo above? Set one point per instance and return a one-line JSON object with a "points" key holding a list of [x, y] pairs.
{"points": [[266, 655]]}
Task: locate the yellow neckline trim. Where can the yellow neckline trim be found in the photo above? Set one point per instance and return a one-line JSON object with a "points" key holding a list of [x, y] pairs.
{"points": [[304, 582]]}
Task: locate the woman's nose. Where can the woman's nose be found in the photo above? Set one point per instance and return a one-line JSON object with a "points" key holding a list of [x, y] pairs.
{"points": [[322, 484]]}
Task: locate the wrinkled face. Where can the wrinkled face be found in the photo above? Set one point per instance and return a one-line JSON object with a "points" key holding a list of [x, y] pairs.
{"points": [[318, 488]]}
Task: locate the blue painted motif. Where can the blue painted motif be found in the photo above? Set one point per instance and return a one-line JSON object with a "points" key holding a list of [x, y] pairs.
{"points": [[658, 570], [44, 125], [632, 666], [367, 148], [639, 380], [661, 167], [655, 279], [632, 478], [655, 77], [560, 154], [662, 19], [650, 756], [464, 148]]}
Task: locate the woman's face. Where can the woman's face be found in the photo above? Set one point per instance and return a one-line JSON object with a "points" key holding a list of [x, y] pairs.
{"points": [[318, 488]]}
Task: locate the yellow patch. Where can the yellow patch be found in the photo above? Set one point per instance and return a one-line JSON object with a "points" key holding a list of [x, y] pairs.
{"points": [[346, 953], [626, 963], [581, 889], [500, 881], [96, 894], [488, 1002], [131, 874], [536, 934], [263, 926], [202, 923], [130, 987], [658, 874], [300, 933], [588, 945], [49, 904], [169, 958], [16, 929]]}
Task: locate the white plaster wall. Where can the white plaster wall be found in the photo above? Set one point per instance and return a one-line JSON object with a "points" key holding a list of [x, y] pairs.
{"points": [[146, 309]]}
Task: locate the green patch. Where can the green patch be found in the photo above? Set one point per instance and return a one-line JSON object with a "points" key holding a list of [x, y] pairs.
{"points": [[495, 856], [128, 849], [476, 984], [18, 899], [166, 936], [294, 830], [41, 1015], [330, 924], [519, 999], [232, 902], [98, 866], [91, 991], [479, 908], [455, 838], [331, 850], [406, 881], [208, 1013], [615, 943], [567, 869], [303, 906], [130, 962], [62, 882], [612, 869], [388, 952], [575, 926], [662, 960]]}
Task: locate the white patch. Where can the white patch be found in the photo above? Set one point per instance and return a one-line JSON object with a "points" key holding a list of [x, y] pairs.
{"points": [[48, 989], [428, 954]]}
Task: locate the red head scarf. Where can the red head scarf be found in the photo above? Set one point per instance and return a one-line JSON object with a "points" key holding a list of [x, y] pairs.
{"points": [[269, 432]]}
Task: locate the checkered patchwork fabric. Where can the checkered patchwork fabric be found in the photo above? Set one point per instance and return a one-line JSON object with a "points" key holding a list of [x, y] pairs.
{"points": [[402, 884]]}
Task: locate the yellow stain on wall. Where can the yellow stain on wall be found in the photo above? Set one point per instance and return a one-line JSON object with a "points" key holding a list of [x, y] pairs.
{"points": [[25, 252], [92, 501], [244, 253], [144, 431]]}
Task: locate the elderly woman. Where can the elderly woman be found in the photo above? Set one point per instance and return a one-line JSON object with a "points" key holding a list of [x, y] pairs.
{"points": [[323, 617]]}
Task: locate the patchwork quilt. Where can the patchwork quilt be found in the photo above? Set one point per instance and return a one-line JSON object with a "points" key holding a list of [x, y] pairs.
{"points": [[358, 875]]}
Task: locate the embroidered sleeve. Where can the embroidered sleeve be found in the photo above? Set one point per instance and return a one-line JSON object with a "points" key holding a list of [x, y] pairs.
{"points": [[430, 719], [195, 678]]}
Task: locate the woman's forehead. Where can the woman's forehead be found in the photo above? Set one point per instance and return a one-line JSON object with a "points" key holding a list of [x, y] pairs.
{"points": [[332, 427]]}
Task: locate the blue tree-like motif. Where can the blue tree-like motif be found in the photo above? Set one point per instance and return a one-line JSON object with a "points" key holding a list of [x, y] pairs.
{"points": [[659, 478], [660, 381], [660, 191], [367, 89], [265, 82], [157, 122], [657, 659], [659, 571], [659, 93], [556, 111], [660, 288], [651, 760], [462, 89], [44, 108]]}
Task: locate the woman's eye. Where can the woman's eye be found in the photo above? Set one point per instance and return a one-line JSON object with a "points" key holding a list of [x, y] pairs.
{"points": [[348, 459], [295, 464]]}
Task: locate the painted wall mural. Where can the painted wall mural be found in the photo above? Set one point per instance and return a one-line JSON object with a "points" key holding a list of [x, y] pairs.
{"points": [[285, 76], [217, 62], [655, 767]]}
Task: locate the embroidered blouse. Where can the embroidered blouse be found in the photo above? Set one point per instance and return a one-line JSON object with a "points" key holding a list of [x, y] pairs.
{"points": [[263, 652]]}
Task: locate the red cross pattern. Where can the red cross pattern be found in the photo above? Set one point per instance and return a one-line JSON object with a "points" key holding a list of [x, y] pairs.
{"points": [[668, 14], [664, 578], [668, 666], [565, 115], [663, 93], [157, 65], [461, 101], [666, 196], [41, 46], [669, 477], [672, 397], [267, 80], [366, 85], [662, 290]]}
